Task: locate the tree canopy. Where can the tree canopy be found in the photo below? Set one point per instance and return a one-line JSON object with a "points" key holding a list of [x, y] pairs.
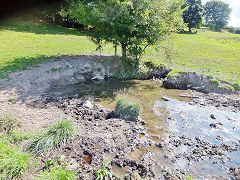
{"points": [[131, 24], [194, 14], [217, 13]]}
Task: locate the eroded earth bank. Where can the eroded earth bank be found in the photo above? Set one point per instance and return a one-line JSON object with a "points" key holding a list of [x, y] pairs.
{"points": [[178, 131]]}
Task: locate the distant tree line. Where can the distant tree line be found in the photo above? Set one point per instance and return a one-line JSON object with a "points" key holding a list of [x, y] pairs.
{"points": [[215, 13], [233, 30]]}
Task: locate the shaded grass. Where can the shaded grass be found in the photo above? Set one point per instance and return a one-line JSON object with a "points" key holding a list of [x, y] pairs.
{"points": [[54, 137], [12, 160]]}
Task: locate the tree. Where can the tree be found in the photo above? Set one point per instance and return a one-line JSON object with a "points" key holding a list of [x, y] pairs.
{"points": [[217, 13], [194, 14], [133, 25]]}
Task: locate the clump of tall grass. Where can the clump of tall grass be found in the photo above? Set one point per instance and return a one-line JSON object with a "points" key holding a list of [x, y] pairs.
{"points": [[54, 137], [57, 172], [127, 110], [7, 123], [12, 160]]}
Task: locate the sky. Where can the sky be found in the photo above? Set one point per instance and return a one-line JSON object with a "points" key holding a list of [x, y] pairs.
{"points": [[235, 14]]}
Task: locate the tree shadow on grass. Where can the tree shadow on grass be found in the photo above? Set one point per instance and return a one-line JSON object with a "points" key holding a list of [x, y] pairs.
{"points": [[23, 64], [40, 28]]}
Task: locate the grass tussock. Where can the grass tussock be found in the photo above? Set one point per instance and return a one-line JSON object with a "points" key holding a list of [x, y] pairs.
{"points": [[57, 173], [7, 123], [127, 110], [54, 137], [13, 161]]}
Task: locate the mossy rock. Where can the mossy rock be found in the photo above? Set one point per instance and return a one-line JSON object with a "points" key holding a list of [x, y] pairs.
{"points": [[127, 110], [215, 81]]}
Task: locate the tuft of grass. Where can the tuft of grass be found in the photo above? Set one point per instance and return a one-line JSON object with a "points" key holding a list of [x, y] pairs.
{"points": [[13, 162], [7, 123], [229, 87], [57, 173], [176, 72], [215, 81], [55, 69], [11, 100], [236, 87], [103, 172], [127, 110], [54, 137], [189, 177]]}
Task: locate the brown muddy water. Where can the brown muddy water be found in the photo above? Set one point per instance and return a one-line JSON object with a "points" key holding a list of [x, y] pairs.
{"points": [[186, 119]]}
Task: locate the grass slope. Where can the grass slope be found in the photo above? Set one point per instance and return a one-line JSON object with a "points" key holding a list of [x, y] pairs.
{"points": [[26, 43]]}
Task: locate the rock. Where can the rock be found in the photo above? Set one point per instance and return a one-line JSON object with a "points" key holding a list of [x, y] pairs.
{"points": [[68, 65], [216, 125], [165, 98], [88, 104], [235, 172], [98, 77], [184, 95], [213, 116], [199, 82]]}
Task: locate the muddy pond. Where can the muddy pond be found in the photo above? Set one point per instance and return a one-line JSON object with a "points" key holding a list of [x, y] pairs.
{"points": [[200, 140]]}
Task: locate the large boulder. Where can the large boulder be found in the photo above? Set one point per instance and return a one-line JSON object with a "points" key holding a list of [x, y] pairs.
{"points": [[199, 82]]}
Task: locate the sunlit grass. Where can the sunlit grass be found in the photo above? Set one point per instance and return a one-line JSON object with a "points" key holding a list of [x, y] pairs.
{"points": [[13, 161]]}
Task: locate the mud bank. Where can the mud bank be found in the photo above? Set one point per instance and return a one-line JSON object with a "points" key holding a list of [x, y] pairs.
{"points": [[100, 136]]}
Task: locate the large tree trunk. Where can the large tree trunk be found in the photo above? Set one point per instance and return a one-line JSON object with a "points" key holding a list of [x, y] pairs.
{"points": [[115, 48], [124, 52], [189, 29]]}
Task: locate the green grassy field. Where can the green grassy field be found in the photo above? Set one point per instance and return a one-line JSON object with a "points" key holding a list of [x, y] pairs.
{"points": [[213, 53], [27, 43]]}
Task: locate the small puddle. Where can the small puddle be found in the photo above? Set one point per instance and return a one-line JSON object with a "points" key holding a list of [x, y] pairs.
{"points": [[162, 118], [138, 153], [141, 135], [120, 172], [87, 158]]}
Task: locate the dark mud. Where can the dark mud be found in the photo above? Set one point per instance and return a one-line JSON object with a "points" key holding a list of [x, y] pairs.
{"points": [[100, 137]]}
